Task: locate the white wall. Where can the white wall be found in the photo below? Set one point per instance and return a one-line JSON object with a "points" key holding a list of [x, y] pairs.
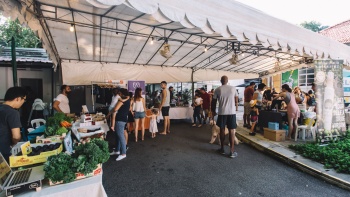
{"points": [[6, 80]]}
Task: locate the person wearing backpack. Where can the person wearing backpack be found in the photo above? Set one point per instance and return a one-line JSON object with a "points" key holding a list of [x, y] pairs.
{"points": [[311, 100]]}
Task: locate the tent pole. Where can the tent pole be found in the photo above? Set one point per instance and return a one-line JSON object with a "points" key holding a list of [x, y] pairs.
{"points": [[192, 83], [14, 63], [92, 96]]}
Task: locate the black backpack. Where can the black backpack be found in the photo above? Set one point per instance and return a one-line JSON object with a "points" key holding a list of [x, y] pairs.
{"points": [[311, 101]]}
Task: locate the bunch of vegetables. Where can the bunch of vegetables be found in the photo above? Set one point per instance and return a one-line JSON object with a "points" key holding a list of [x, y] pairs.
{"points": [[84, 160], [57, 125]]}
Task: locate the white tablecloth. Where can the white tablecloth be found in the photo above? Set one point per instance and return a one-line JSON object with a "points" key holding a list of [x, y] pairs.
{"points": [[91, 186], [179, 113]]}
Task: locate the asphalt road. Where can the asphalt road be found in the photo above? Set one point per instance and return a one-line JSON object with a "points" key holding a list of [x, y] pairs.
{"points": [[183, 163]]}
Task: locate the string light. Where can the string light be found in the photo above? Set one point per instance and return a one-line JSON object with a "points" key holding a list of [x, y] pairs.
{"points": [[152, 40], [205, 48], [71, 27]]}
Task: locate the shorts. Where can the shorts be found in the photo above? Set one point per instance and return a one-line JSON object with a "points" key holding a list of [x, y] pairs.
{"points": [[139, 115], [165, 111], [253, 118], [227, 120], [247, 108]]}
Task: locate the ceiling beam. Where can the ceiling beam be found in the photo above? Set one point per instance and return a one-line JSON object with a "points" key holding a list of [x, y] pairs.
{"points": [[216, 59], [121, 51], [109, 10], [76, 37], [165, 40], [144, 45], [202, 54], [177, 49], [190, 52]]}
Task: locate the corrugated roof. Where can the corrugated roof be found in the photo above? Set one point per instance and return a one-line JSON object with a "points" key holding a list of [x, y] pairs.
{"points": [[339, 32], [26, 55]]}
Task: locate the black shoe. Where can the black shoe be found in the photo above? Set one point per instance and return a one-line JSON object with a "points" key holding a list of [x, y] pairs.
{"points": [[245, 125], [221, 151], [252, 133]]}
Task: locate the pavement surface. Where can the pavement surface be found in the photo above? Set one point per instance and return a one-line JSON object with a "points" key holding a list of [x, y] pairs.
{"points": [[183, 163]]}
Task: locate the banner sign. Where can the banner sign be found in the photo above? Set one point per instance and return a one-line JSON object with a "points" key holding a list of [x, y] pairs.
{"points": [[330, 98], [290, 78], [132, 85]]}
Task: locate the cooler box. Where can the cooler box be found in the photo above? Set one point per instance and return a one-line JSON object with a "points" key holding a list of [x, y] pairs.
{"points": [[274, 135], [273, 125]]}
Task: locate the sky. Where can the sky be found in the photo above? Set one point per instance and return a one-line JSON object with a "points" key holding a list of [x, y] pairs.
{"points": [[327, 12]]}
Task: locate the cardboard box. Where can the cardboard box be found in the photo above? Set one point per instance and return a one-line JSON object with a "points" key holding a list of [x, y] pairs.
{"points": [[274, 125], [49, 139], [24, 160], [274, 135], [79, 176]]}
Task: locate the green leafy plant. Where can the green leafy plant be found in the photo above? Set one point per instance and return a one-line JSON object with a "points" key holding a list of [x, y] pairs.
{"points": [[335, 155], [53, 125], [59, 168]]}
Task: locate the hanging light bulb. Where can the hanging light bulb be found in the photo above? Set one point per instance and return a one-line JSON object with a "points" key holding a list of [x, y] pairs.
{"points": [[71, 27], [205, 48], [152, 40]]}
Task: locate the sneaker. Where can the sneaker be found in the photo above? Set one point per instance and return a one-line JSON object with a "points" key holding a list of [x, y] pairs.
{"points": [[252, 133], [120, 157], [233, 154], [220, 151], [114, 153], [127, 147]]}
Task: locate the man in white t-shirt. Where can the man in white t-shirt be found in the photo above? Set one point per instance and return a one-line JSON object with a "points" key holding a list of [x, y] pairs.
{"points": [[227, 97], [61, 102]]}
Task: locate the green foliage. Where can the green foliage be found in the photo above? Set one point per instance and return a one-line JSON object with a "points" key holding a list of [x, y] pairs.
{"points": [[335, 155], [24, 36], [53, 126], [313, 26], [103, 145], [58, 168], [61, 130]]}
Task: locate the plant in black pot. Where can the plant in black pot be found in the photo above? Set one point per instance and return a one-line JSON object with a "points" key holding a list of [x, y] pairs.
{"points": [[187, 97]]}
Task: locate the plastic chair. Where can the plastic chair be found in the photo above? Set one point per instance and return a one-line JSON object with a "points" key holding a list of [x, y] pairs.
{"points": [[36, 123], [306, 128]]}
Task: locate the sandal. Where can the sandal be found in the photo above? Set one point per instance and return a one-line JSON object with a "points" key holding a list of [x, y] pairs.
{"points": [[194, 125], [199, 126]]}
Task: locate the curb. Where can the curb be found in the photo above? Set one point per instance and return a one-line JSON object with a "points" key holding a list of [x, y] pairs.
{"points": [[299, 165]]}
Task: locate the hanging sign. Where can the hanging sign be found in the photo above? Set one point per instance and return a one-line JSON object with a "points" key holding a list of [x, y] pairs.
{"points": [[290, 78], [330, 99], [132, 85]]}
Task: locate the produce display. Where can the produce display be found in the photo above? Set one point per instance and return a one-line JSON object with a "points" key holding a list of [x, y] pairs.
{"points": [[85, 159], [39, 149], [57, 125]]}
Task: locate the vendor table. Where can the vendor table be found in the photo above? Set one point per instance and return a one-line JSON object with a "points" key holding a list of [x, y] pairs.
{"points": [[270, 116], [179, 113], [91, 186]]}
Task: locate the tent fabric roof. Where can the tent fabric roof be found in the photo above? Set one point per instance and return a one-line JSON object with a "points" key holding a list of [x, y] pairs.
{"points": [[339, 32], [120, 33]]}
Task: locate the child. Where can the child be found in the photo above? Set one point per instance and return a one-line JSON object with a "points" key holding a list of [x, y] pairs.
{"points": [[153, 122], [197, 110], [254, 113]]}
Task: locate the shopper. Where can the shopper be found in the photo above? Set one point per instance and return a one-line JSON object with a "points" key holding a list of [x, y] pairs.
{"points": [[258, 95], [165, 107], [248, 95], [10, 122], [153, 122], [254, 114], [197, 105], [227, 97], [118, 124], [206, 104], [293, 111], [139, 112], [61, 102]]}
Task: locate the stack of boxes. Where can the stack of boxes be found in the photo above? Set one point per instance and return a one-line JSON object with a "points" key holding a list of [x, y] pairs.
{"points": [[273, 133]]}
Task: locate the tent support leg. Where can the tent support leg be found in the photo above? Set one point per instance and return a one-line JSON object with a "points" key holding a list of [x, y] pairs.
{"points": [[192, 83]]}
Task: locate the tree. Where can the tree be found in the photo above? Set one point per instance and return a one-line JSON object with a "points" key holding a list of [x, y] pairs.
{"points": [[313, 26], [24, 36]]}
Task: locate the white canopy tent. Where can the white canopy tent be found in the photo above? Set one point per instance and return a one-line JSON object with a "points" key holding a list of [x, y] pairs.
{"points": [[121, 39]]}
